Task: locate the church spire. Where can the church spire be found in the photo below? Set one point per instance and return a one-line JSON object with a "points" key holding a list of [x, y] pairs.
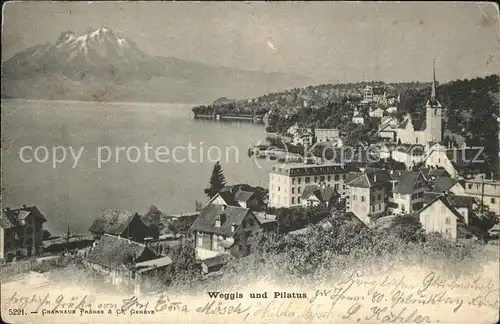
{"points": [[433, 92]]}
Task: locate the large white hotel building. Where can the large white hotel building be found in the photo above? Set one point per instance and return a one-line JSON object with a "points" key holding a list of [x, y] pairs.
{"points": [[287, 181]]}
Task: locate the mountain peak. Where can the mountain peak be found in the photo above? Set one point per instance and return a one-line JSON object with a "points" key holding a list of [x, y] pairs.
{"points": [[65, 37]]}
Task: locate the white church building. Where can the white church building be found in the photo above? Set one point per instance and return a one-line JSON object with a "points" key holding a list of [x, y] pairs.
{"points": [[423, 131]]}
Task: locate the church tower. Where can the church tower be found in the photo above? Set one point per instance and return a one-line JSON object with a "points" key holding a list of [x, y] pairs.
{"points": [[434, 114]]}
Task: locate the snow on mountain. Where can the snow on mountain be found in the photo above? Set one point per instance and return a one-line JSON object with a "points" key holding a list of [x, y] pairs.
{"points": [[75, 64]]}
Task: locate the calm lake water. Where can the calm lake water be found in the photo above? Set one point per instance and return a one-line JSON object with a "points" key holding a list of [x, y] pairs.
{"points": [[75, 196]]}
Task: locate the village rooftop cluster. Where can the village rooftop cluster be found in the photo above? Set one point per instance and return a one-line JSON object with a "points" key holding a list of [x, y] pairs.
{"points": [[445, 193]]}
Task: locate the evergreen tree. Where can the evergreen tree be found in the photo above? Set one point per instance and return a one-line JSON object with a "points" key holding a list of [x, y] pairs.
{"points": [[217, 181]]}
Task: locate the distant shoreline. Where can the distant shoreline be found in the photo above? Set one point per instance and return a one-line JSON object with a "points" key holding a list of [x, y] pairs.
{"points": [[103, 102]]}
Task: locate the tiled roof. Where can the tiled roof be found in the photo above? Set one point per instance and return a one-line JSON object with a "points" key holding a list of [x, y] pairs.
{"points": [[12, 217], [113, 221], [220, 259], [370, 178], [406, 182], [228, 197], [456, 201], [425, 172], [328, 192], [438, 172], [445, 201], [155, 263], [309, 190], [442, 184], [323, 194], [116, 252], [242, 195], [232, 214]]}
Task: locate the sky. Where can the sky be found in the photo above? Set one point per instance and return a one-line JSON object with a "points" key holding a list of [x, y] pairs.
{"points": [[327, 41]]}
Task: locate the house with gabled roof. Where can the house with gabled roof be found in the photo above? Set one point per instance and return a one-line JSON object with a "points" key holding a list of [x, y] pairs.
{"points": [[438, 215], [123, 261], [462, 204], [223, 197], [315, 195], [448, 185], [367, 194], [224, 229], [377, 111], [407, 191], [123, 223], [21, 232], [430, 175], [236, 196]]}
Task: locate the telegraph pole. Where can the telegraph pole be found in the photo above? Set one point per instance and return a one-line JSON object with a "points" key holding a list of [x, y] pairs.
{"points": [[482, 195]]}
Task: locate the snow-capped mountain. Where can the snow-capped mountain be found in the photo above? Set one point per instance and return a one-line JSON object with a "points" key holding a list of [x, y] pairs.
{"points": [[98, 53], [80, 66]]}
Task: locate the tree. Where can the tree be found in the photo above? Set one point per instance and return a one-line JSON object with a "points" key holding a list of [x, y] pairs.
{"points": [[153, 216], [217, 181], [408, 228], [180, 225], [198, 206], [184, 269], [46, 234]]}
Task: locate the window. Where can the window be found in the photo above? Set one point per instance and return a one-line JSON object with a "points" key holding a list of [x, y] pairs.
{"points": [[293, 180], [344, 176], [293, 200], [293, 190], [379, 197], [470, 185], [322, 178], [298, 190], [299, 180], [298, 200], [362, 198], [337, 177], [329, 178], [492, 200], [336, 186], [308, 179], [379, 207], [315, 179], [278, 188], [448, 221], [354, 197]]}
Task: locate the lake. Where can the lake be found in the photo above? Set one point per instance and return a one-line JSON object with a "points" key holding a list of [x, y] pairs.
{"points": [[98, 176]]}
